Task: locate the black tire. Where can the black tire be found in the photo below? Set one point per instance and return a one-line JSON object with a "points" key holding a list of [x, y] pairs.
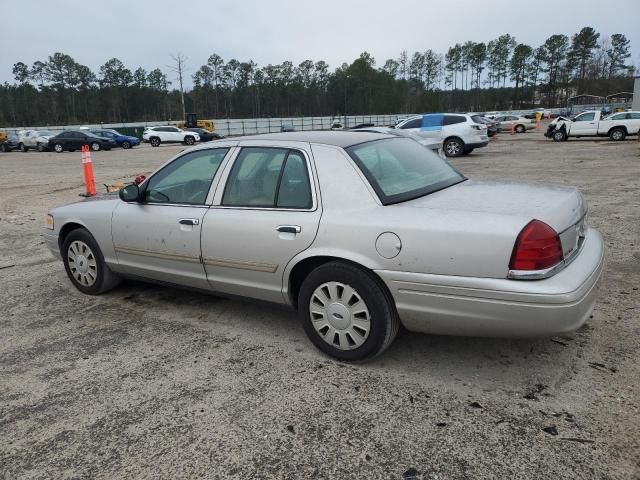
{"points": [[468, 150], [40, 147], [72, 149], [189, 140], [453, 147], [23, 148], [126, 145], [559, 136], [617, 134], [154, 141], [520, 129], [5, 148], [58, 148], [95, 146], [383, 318], [105, 279]]}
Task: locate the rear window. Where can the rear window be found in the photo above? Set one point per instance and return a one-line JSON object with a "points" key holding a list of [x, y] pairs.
{"points": [[401, 169]]}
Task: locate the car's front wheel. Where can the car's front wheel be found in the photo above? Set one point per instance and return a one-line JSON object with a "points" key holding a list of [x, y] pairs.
{"points": [[453, 147], [95, 146], [189, 140], [85, 264], [126, 145], [23, 147], [346, 312], [58, 148], [40, 147], [559, 136]]}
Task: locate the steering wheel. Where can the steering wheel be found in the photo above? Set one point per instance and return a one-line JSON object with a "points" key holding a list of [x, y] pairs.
{"points": [[195, 191]]}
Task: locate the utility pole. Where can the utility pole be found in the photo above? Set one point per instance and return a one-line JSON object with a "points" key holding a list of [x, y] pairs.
{"points": [[179, 67]]}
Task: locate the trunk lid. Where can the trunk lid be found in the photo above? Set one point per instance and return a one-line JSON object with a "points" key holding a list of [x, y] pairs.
{"points": [[562, 208]]}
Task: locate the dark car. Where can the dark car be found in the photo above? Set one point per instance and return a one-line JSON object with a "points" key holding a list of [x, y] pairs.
{"points": [[11, 143], [205, 135], [124, 141], [72, 140], [492, 127]]}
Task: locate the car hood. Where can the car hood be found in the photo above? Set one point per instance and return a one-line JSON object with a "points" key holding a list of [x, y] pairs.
{"points": [[558, 206]]}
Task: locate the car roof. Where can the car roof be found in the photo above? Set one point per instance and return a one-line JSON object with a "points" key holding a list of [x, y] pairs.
{"points": [[337, 139]]}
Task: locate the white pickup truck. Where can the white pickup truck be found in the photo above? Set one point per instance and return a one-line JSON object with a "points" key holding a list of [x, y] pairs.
{"points": [[588, 124]]}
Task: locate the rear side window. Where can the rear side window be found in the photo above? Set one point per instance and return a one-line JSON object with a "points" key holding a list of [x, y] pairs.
{"points": [[414, 123], [268, 178], [453, 119], [633, 116]]}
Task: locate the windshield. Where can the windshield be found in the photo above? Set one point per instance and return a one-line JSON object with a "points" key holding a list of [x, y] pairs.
{"points": [[401, 169]]}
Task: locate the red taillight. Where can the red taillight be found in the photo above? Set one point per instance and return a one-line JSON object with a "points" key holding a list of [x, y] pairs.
{"points": [[537, 247]]}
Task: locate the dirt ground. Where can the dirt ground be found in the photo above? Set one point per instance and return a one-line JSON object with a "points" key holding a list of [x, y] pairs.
{"points": [[154, 382]]}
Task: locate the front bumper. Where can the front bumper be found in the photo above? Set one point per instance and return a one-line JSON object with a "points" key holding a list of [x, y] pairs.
{"points": [[492, 307], [51, 241]]}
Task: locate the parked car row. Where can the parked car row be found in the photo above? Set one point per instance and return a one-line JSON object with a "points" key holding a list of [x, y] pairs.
{"points": [[98, 138]]}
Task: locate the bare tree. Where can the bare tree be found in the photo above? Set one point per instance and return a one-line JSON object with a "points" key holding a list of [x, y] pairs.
{"points": [[179, 67]]}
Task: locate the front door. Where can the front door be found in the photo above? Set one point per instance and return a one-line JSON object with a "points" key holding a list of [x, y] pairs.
{"points": [[159, 236], [267, 213], [584, 124]]}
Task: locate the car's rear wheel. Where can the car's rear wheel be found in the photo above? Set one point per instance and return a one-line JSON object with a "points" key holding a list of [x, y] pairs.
{"points": [[85, 264], [58, 148], [126, 145], [559, 136], [189, 140], [453, 147], [40, 147], [520, 129], [617, 134], [154, 141], [95, 146], [346, 312], [23, 147]]}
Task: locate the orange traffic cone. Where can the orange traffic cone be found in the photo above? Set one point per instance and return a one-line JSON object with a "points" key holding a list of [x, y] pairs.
{"points": [[87, 165], [513, 129]]}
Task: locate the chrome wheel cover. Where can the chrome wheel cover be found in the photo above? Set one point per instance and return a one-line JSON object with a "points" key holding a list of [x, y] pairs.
{"points": [[339, 315], [82, 263], [453, 148]]}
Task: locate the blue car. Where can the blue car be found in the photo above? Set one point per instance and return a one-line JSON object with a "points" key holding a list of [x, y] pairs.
{"points": [[124, 141]]}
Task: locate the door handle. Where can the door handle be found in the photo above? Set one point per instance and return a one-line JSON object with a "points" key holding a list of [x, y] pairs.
{"points": [[289, 228], [189, 221]]}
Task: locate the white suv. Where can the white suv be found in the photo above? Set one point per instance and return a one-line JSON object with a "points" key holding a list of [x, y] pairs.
{"points": [[459, 134], [168, 134]]}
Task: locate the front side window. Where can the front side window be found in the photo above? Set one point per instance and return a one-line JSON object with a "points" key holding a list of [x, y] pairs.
{"points": [[413, 123], [268, 178], [401, 169], [187, 179], [586, 117]]}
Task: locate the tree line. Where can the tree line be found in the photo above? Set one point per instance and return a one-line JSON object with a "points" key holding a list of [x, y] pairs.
{"points": [[473, 76]]}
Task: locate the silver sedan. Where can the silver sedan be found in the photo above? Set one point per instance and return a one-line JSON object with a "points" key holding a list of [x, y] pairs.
{"points": [[359, 232]]}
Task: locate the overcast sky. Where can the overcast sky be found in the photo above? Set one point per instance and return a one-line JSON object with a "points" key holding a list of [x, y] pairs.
{"points": [[145, 33]]}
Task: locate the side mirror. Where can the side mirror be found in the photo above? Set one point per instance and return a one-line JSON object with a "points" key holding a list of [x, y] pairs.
{"points": [[130, 193]]}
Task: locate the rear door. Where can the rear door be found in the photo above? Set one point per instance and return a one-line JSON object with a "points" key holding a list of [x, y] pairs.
{"points": [[266, 211]]}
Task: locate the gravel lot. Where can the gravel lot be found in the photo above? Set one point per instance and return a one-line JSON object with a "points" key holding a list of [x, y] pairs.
{"points": [[155, 382]]}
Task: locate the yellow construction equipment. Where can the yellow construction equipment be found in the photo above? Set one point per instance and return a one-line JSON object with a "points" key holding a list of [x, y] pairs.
{"points": [[191, 121]]}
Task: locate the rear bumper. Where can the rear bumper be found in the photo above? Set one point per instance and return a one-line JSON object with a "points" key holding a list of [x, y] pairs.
{"points": [[483, 141], [499, 307]]}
